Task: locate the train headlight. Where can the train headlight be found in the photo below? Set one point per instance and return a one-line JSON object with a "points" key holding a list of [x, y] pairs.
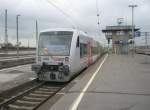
{"points": [[66, 59]]}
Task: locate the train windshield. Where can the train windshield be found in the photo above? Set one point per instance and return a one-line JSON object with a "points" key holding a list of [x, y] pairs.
{"points": [[55, 43]]}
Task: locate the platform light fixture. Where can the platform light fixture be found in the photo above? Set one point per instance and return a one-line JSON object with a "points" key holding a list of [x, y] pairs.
{"points": [[133, 25]]}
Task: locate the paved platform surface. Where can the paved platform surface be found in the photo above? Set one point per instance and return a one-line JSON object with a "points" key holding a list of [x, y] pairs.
{"points": [[12, 77], [122, 83]]}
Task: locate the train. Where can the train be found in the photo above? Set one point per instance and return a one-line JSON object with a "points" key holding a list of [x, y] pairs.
{"points": [[62, 53]]}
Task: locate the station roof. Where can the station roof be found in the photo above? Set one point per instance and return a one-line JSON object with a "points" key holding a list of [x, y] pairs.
{"points": [[118, 28]]}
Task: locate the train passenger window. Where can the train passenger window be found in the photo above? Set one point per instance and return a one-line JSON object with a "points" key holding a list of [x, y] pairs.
{"points": [[78, 42], [83, 50], [94, 50]]}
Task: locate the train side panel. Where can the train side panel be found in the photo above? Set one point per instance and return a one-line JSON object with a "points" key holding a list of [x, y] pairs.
{"points": [[74, 55], [76, 63]]}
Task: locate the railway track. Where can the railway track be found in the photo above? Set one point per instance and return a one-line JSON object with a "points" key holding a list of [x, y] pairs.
{"points": [[32, 98], [15, 57], [143, 51]]}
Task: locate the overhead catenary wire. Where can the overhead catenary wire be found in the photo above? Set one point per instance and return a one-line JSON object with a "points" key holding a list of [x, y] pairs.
{"points": [[64, 13], [98, 16], [76, 23], [73, 21]]}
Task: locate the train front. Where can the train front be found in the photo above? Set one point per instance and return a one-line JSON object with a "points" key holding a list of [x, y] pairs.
{"points": [[53, 52]]}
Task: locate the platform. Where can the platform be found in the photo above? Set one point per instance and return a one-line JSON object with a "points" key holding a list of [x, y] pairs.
{"points": [[15, 76], [122, 83]]}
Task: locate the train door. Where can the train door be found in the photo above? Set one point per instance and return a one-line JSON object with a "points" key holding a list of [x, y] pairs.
{"points": [[89, 53]]}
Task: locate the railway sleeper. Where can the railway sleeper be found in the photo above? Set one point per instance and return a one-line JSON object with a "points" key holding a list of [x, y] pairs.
{"points": [[36, 99], [38, 95], [26, 103], [53, 89], [47, 89], [43, 92], [16, 107], [50, 87], [31, 100]]}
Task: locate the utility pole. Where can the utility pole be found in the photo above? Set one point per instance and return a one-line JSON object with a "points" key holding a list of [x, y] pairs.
{"points": [[146, 40], [133, 25], [108, 44], [28, 44], [146, 47], [36, 33], [17, 16], [6, 35]]}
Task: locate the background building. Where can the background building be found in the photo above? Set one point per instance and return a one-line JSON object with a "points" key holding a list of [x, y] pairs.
{"points": [[121, 37]]}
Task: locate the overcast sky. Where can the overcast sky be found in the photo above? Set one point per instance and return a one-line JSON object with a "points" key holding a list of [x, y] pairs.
{"points": [[69, 13]]}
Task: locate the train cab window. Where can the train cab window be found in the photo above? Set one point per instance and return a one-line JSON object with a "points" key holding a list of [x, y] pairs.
{"points": [[78, 42], [57, 43], [83, 50]]}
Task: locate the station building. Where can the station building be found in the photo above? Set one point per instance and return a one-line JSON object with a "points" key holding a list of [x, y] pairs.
{"points": [[121, 37]]}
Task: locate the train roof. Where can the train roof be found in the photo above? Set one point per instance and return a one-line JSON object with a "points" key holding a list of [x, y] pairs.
{"points": [[58, 29], [64, 29]]}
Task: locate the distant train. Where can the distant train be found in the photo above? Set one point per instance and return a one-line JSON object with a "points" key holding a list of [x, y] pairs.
{"points": [[63, 53]]}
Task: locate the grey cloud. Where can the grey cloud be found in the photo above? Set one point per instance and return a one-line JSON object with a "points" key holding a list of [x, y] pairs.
{"points": [[81, 13]]}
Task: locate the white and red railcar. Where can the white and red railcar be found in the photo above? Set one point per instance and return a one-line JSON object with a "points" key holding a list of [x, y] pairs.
{"points": [[63, 53]]}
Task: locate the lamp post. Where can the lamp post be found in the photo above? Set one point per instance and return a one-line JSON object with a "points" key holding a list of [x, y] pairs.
{"points": [[17, 16], [6, 34], [133, 25], [36, 32]]}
